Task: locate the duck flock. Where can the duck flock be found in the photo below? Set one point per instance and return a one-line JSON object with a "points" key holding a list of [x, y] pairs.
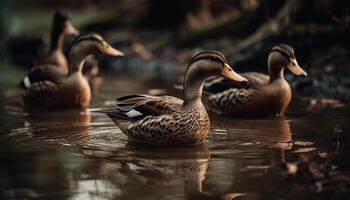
{"points": [[210, 84]]}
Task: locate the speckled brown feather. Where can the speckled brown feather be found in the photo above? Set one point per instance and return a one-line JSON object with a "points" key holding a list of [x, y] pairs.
{"points": [[189, 126], [165, 121]]}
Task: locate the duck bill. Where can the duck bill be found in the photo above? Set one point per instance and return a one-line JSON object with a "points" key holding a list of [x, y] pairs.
{"points": [[70, 29], [227, 72], [110, 51], [294, 67]]}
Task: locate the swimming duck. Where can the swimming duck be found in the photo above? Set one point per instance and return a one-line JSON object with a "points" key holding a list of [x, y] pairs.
{"points": [[167, 120], [264, 95], [52, 87], [61, 27], [53, 54]]}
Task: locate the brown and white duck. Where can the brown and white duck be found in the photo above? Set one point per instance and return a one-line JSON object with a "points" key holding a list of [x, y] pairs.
{"points": [[263, 95], [167, 120], [49, 86]]}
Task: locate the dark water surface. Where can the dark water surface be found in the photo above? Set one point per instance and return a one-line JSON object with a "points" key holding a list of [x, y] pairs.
{"points": [[80, 154]]}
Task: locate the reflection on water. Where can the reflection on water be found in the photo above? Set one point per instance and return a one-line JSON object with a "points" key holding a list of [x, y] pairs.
{"points": [[272, 129], [80, 154]]}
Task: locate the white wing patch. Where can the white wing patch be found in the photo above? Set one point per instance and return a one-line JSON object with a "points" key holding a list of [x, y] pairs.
{"points": [[26, 82], [133, 113]]}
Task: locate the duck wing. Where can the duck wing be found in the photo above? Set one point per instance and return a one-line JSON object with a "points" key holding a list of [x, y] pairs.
{"points": [[221, 84], [135, 107], [227, 95], [40, 94], [230, 99], [49, 73], [257, 79]]}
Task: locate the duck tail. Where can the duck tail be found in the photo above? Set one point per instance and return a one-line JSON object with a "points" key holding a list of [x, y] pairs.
{"points": [[118, 117], [113, 112]]}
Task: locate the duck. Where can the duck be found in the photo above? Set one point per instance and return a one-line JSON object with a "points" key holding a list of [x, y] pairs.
{"points": [[167, 120], [48, 86], [53, 54], [264, 95]]}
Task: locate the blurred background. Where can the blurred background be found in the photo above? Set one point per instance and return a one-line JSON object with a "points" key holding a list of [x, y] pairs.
{"points": [[159, 37]]}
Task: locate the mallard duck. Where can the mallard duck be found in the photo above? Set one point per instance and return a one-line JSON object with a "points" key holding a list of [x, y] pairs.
{"points": [[61, 27], [54, 54], [51, 87], [264, 95], [167, 120]]}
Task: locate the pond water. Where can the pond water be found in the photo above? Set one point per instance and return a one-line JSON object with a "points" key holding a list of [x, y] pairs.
{"points": [[80, 154]]}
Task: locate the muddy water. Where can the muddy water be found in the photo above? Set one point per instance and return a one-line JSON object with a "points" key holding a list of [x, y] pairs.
{"points": [[80, 154]]}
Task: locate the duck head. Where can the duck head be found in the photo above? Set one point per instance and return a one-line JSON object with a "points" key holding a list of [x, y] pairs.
{"points": [[210, 63], [89, 44], [203, 66], [62, 25], [281, 56]]}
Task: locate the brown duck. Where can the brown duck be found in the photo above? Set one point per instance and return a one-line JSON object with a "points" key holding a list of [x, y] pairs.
{"points": [[54, 54], [51, 87], [167, 120], [263, 95], [61, 27]]}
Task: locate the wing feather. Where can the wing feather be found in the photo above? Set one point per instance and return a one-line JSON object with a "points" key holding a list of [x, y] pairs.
{"points": [[136, 107], [255, 80], [231, 98], [40, 93], [50, 73]]}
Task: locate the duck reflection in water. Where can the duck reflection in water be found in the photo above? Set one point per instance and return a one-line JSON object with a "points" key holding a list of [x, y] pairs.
{"points": [[271, 130], [274, 132], [170, 167], [69, 127]]}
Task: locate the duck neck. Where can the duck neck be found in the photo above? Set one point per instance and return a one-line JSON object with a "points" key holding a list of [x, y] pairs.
{"points": [[76, 62], [193, 84], [56, 42], [276, 74], [276, 63]]}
